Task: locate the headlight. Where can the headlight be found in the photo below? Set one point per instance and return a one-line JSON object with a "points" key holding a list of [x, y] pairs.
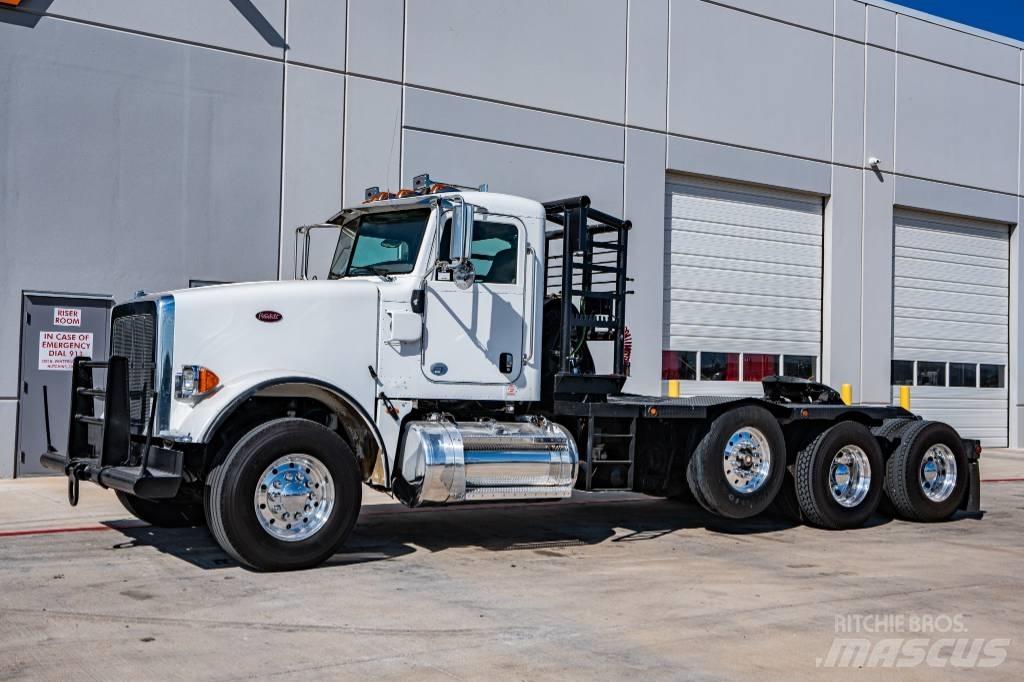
{"points": [[195, 380]]}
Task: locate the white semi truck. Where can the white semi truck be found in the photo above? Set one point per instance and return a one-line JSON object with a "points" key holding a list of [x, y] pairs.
{"points": [[446, 359]]}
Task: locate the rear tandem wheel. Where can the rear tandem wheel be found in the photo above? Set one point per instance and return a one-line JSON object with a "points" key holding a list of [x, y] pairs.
{"points": [[838, 477], [738, 467], [926, 475]]}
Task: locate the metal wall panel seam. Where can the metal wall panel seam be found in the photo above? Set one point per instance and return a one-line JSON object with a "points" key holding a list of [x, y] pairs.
{"points": [[895, 100], [344, 109], [284, 116], [668, 77], [477, 138], [144, 34], [401, 106]]}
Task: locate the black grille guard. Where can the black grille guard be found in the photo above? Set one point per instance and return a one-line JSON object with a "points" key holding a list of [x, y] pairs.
{"points": [[137, 467]]}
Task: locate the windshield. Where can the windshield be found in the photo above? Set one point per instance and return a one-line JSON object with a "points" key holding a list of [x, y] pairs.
{"points": [[380, 243]]}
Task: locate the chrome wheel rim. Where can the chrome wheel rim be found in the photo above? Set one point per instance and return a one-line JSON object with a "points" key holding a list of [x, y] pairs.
{"points": [[747, 460], [938, 473], [849, 476], [294, 497]]}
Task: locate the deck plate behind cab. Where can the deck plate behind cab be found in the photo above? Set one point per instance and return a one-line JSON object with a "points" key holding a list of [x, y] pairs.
{"points": [[698, 406]]}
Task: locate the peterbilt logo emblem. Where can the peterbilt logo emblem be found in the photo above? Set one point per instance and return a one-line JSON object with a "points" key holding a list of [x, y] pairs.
{"points": [[269, 316]]}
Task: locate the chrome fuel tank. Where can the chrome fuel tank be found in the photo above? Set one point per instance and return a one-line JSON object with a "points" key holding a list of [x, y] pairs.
{"points": [[445, 462]]}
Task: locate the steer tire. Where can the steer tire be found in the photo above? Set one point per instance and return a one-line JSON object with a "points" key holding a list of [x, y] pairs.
{"points": [[235, 519], [904, 472], [706, 475], [163, 513], [815, 485]]}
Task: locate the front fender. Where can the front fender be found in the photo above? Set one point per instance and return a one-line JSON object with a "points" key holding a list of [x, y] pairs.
{"points": [[199, 420]]}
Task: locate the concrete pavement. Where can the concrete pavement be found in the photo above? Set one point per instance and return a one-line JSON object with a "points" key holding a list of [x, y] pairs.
{"points": [[600, 586]]}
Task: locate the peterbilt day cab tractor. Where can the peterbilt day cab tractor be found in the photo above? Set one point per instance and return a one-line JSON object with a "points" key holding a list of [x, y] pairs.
{"points": [[446, 358]]}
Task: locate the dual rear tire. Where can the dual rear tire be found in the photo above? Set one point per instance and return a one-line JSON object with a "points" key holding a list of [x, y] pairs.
{"points": [[927, 473], [838, 477], [838, 480], [924, 479]]}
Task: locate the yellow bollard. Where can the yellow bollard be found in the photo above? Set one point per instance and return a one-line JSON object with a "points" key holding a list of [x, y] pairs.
{"points": [[905, 397], [846, 391], [673, 388]]}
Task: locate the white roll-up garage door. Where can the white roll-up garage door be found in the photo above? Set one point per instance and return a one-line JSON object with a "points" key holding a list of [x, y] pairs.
{"points": [[951, 321], [742, 285]]}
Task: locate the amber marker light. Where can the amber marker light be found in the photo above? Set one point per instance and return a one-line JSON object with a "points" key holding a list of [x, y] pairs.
{"points": [[195, 380]]}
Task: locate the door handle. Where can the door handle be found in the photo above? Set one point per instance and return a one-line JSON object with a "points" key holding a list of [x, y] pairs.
{"points": [[531, 291]]}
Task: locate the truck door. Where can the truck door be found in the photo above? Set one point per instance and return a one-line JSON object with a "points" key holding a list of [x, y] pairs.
{"points": [[475, 335]]}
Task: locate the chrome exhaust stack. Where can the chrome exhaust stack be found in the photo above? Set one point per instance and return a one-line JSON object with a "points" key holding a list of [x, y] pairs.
{"points": [[444, 462]]}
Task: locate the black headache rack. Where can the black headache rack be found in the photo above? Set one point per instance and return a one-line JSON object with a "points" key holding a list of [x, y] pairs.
{"points": [[116, 449], [586, 274]]}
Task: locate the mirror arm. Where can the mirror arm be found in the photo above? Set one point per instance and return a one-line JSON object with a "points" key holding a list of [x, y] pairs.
{"points": [[300, 261]]}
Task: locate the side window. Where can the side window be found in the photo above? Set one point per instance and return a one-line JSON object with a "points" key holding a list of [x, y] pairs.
{"points": [[495, 251]]}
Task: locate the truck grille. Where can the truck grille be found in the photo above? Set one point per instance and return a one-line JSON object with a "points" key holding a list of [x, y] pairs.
{"points": [[134, 337]]}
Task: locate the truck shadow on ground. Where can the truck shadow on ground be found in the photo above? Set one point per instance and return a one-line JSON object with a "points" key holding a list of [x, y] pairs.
{"points": [[390, 532]]}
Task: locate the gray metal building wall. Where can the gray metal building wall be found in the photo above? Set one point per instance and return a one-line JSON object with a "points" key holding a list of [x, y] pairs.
{"points": [[146, 143]]}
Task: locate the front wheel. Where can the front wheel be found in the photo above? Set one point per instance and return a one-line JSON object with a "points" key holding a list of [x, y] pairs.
{"points": [[286, 496]]}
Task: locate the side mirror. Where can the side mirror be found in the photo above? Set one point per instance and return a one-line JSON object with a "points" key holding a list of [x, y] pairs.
{"points": [[464, 274], [462, 245], [462, 232]]}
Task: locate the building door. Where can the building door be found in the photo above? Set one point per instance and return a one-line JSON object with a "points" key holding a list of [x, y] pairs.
{"points": [[951, 334], [55, 328], [743, 278]]}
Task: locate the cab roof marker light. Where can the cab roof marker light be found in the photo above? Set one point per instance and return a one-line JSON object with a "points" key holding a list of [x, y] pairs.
{"points": [[423, 184]]}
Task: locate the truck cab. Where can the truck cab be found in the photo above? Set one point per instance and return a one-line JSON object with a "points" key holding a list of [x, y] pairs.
{"points": [[441, 352]]}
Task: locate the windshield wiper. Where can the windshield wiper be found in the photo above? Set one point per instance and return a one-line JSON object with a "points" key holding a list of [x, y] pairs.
{"points": [[373, 269]]}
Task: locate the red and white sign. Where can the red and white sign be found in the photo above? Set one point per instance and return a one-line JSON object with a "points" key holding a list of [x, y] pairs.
{"points": [[58, 350], [67, 317]]}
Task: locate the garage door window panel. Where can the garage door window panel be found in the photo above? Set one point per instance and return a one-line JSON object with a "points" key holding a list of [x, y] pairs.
{"points": [[903, 372], [993, 376], [757, 366], [678, 365], [800, 366], [720, 366], [963, 375], [931, 374]]}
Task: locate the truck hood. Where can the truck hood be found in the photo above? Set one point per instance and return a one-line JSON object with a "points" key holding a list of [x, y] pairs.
{"points": [[321, 330]]}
